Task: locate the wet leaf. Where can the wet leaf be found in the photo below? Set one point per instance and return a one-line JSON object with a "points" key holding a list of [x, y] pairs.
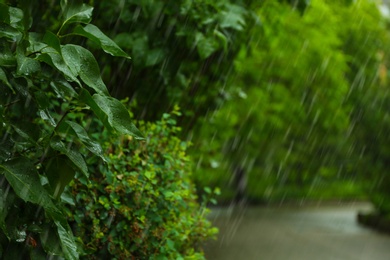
{"points": [[91, 145], [75, 156], [117, 115], [26, 65], [68, 244], [93, 33], [52, 40], [81, 62], [77, 13], [24, 180], [4, 79]]}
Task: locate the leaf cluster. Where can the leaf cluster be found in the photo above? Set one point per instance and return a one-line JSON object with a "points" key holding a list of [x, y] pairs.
{"points": [[49, 88]]}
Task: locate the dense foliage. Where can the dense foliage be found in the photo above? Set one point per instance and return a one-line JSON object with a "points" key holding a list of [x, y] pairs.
{"points": [[303, 97], [142, 205]]}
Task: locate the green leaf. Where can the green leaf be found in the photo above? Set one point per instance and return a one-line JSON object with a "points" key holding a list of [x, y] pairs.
{"points": [[68, 244], [206, 46], [9, 32], [87, 99], [63, 89], [59, 173], [82, 62], [117, 115], [24, 179], [54, 59], [4, 79], [93, 33], [7, 59], [75, 156], [26, 65], [91, 145], [77, 13], [52, 40]]}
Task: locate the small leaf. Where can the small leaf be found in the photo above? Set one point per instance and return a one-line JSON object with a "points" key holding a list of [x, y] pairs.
{"points": [[117, 115], [82, 62], [75, 156], [77, 13], [93, 33], [91, 145]]}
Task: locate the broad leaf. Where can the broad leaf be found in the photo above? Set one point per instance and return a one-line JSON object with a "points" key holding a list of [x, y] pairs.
{"points": [[117, 115], [24, 179], [77, 13], [91, 145], [93, 33], [75, 156], [82, 62]]}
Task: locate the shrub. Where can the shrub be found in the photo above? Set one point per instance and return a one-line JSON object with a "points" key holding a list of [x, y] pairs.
{"points": [[141, 204]]}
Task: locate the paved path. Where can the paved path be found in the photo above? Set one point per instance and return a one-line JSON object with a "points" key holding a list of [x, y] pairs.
{"points": [[279, 233]]}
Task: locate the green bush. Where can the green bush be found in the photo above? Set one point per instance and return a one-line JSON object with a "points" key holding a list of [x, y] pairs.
{"points": [[141, 204]]}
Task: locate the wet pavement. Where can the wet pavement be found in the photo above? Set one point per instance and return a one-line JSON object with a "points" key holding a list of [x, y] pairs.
{"points": [[318, 232]]}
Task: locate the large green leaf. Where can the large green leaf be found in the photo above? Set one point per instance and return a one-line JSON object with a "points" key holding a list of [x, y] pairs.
{"points": [[76, 13], [91, 145], [93, 33], [24, 179], [82, 62], [75, 156], [117, 115]]}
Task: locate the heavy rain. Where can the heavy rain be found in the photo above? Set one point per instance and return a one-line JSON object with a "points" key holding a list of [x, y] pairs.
{"points": [[194, 129]]}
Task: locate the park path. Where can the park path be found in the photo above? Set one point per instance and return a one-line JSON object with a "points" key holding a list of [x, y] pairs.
{"points": [[320, 232]]}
